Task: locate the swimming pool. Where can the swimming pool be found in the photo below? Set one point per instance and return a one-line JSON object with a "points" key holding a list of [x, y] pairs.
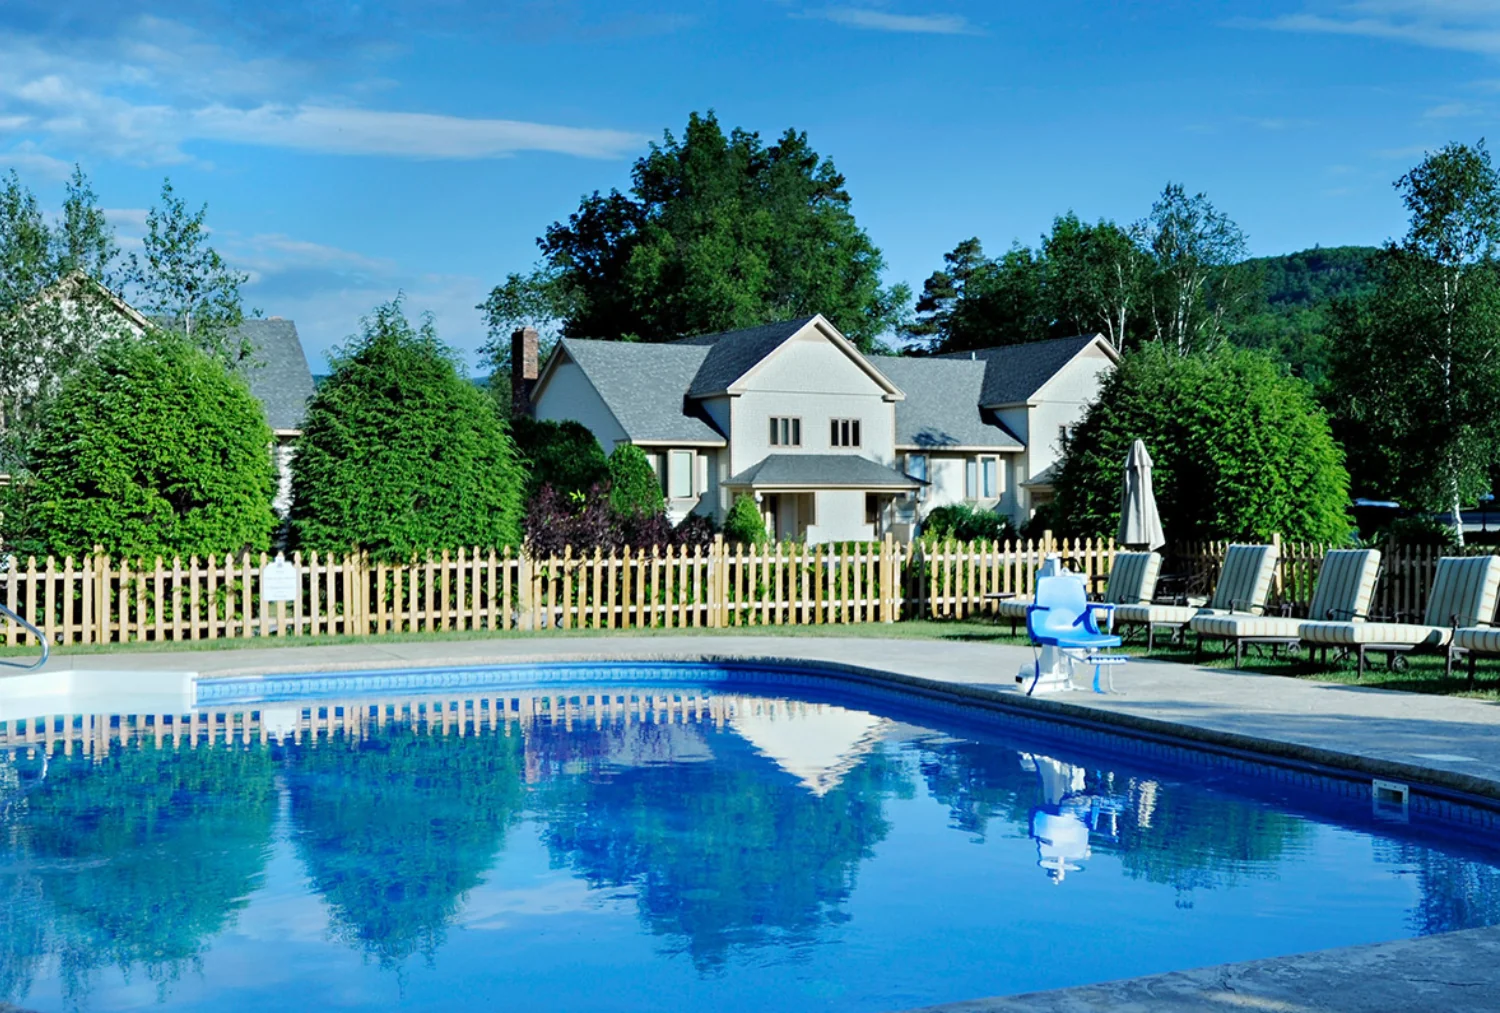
{"points": [[630, 837]]}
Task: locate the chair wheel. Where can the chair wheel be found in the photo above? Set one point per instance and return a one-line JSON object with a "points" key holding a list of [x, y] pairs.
{"points": [[1294, 650], [1397, 663]]}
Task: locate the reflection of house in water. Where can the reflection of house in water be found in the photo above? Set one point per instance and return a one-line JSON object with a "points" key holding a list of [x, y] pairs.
{"points": [[816, 743]]}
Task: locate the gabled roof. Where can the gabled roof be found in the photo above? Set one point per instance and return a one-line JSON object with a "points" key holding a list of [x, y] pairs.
{"points": [[942, 405], [733, 354], [729, 355], [1014, 373], [821, 471], [277, 371], [643, 386]]}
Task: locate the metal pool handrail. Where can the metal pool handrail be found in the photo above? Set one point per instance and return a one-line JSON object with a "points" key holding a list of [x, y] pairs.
{"points": [[6, 613]]}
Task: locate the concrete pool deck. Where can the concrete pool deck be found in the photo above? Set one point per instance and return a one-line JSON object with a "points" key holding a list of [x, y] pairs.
{"points": [[1441, 741]]}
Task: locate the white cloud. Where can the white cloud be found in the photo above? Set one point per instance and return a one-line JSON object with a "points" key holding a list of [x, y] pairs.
{"points": [[1451, 111], [28, 161], [148, 96], [347, 131], [1471, 26], [884, 21]]}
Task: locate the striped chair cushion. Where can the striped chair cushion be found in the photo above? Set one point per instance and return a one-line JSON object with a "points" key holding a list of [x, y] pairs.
{"points": [[1346, 583], [1156, 615], [1483, 639], [1350, 634], [1246, 577], [1013, 608], [1463, 591], [1234, 627], [1132, 578]]}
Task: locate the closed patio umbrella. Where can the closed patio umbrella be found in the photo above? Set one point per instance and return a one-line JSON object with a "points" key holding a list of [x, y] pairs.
{"points": [[1140, 524]]}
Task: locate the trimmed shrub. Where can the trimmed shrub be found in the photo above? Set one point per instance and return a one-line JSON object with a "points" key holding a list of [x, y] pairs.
{"points": [[564, 455], [965, 523], [150, 448], [634, 490], [1240, 450], [745, 523], [400, 454]]}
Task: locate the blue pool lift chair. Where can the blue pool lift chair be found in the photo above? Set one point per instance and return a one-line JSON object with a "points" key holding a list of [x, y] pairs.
{"points": [[1061, 616]]}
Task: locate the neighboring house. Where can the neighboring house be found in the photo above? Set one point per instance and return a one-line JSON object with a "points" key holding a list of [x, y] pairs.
{"points": [[276, 371], [834, 445]]}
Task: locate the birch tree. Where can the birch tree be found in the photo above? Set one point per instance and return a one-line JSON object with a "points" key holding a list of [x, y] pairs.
{"points": [[1417, 368], [1198, 281], [180, 281]]}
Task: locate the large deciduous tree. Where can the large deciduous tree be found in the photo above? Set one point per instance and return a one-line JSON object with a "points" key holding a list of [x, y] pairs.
{"points": [[717, 232], [1416, 370], [1241, 451], [400, 454], [1177, 277]]}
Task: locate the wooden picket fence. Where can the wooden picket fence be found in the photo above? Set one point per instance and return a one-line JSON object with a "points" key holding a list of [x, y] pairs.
{"points": [[102, 600]]}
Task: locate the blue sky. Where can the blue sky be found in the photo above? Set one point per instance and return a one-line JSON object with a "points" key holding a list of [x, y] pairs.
{"points": [[348, 151]]}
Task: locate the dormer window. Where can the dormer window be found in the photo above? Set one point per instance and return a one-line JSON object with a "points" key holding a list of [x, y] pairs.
{"points": [[843, 432], [786, 431]]}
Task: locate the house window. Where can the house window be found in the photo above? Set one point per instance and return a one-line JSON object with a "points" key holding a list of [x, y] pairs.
{"points": [[916, 467], [843, 432], [982, 478], [1064, 434], [680, 474], [786, 431]]}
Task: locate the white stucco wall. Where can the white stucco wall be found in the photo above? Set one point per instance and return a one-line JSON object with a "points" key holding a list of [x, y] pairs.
{"points": [[841, 518], [948, 476], [569, 395], [811, 379]]}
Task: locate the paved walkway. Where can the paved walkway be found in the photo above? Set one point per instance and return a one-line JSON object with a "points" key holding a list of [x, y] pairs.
{"points": [[1442, 741]]}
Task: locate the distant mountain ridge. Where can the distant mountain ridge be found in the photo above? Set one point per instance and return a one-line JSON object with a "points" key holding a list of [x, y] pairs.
{"points": [[1293, 321]]}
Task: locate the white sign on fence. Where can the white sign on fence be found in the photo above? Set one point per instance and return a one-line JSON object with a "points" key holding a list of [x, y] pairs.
{"points": [[280, 581]]}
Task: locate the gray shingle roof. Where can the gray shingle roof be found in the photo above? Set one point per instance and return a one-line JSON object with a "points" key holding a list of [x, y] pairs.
{"points": [[942, 404], [277, 371], [645, 386], [732, 354], [822, 471], [1013, 373]]}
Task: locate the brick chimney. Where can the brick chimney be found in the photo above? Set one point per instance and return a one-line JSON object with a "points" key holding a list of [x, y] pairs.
{"points": [[524, 345]]}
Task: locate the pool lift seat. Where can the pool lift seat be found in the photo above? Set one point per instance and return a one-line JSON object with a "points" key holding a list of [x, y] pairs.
{"points": [[41, 638], [1062, 617]]}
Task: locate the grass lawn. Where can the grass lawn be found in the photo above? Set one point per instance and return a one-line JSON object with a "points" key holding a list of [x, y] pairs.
{"points": [[1423, 675]]}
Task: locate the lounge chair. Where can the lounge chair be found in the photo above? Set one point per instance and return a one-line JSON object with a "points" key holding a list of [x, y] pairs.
{"points": [[1244, 582], [1463, 594], [1346, 583], [1474, 641], [1132, 581]]}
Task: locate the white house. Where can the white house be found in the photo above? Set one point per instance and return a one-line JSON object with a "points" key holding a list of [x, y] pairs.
{"points": [[834, 445]]}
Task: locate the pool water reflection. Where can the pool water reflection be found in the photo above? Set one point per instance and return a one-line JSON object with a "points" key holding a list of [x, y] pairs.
{"points": [[733, 848]]}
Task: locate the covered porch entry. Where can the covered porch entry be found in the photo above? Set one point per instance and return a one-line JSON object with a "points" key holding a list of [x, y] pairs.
{"points": [[818, 498]]}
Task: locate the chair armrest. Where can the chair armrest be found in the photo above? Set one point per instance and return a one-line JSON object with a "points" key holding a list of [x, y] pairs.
{"points": [[1109, 614], [1345, 614], [1246, 606]]}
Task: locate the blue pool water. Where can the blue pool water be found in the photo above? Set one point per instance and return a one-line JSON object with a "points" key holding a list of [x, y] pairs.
{"points": [[744, 843]]}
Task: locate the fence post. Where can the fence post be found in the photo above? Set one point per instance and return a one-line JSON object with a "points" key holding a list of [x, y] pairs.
{"points": [[1277, 579], [102, 604], [527, 619], [713, 591], [886, 575]]}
